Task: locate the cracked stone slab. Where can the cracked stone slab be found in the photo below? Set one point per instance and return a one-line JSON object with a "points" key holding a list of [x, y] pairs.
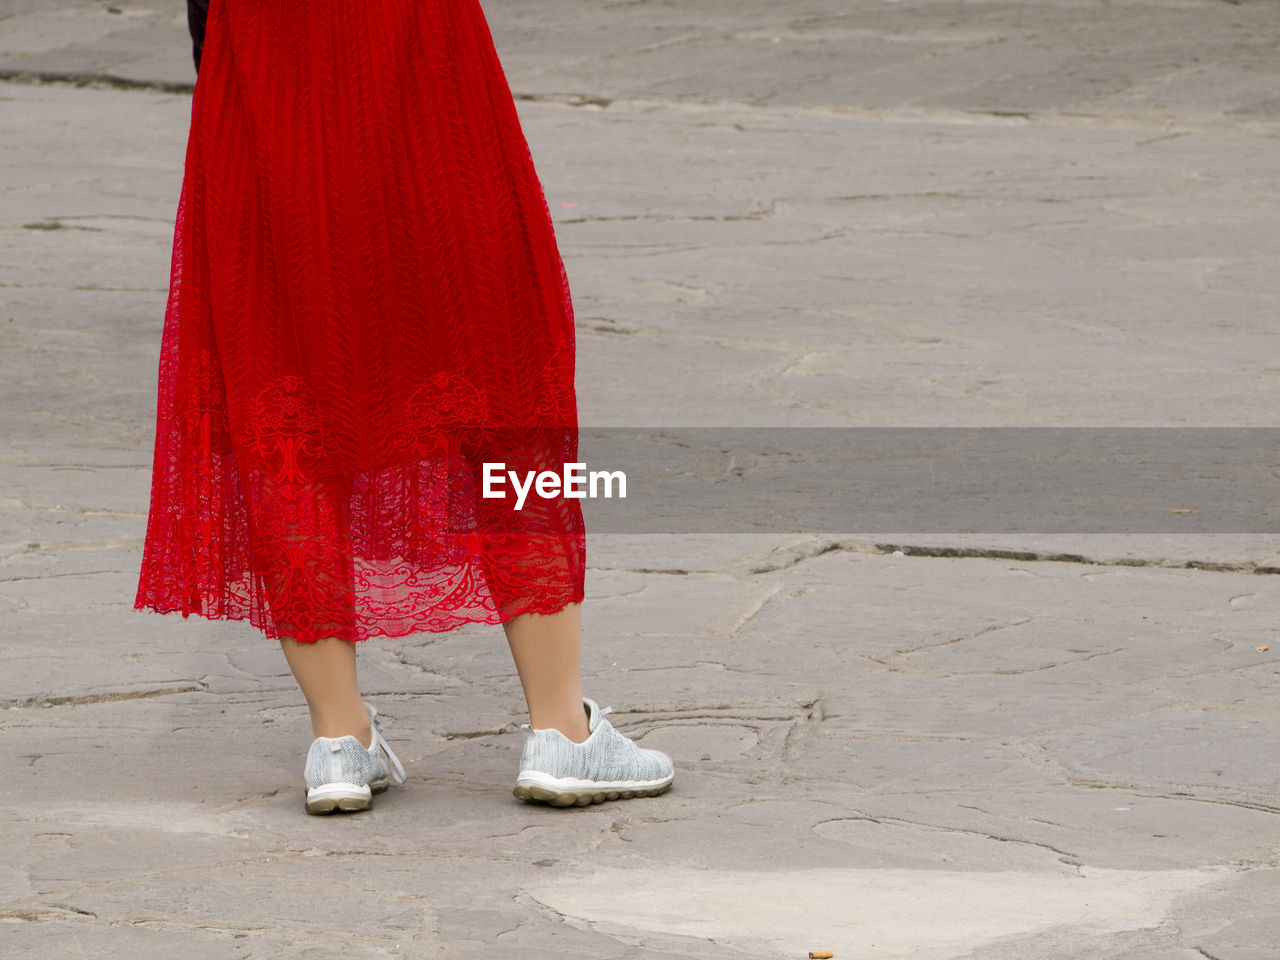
{"points": [[1115, 827], [907, 914], [1140, 749], [1177, 57]]}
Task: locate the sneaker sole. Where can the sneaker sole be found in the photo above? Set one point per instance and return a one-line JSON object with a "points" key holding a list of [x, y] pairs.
{"points": [[338, 798], [533, 787]]}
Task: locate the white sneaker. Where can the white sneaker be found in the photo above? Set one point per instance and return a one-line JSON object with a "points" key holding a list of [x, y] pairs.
{"points": [[343, 775], [606, 766]]}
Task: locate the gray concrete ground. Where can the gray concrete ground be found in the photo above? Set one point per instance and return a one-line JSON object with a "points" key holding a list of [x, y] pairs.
{"points": [[814, 212]]}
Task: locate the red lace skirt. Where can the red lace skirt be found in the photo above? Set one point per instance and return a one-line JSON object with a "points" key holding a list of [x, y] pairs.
{"points": [[366, 305]]}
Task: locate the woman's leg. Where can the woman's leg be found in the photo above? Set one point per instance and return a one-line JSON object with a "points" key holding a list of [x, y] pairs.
{"points": [[547, 649], [326, 672]]}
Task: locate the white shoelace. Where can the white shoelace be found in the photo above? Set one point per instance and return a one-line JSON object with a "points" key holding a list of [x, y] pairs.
{"points": [[397, 770], [600, 714]]}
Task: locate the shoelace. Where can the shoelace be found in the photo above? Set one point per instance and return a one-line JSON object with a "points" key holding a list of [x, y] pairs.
{"points": [[397, 771], [600, 713]]}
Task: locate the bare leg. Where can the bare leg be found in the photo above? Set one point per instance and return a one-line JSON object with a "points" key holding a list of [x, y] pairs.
{"points": [[326, 672], [547, 649]]}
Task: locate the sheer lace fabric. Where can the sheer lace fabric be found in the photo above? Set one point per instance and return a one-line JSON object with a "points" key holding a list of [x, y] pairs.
{"points": [[366, 304]]}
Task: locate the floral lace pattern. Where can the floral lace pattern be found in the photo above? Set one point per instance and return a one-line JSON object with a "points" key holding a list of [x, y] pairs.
{"points": [[366, 304]]}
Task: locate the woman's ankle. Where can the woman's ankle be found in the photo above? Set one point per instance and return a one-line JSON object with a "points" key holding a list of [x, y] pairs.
{"points": [[343, 726], [572, 724]]}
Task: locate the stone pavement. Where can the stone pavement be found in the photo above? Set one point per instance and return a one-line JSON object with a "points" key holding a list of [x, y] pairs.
{"points": [[890, 745]]}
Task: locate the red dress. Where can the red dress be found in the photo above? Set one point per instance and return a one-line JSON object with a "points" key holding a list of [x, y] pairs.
{"points": [[366, 304]]}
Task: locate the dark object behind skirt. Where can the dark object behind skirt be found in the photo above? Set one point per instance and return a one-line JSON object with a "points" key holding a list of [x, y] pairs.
{"points": [[197, 14]]}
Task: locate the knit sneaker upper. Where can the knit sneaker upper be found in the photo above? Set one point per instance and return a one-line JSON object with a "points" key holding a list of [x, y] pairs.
{"points": [[341, 760], [605, 756], [347, 760]]}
